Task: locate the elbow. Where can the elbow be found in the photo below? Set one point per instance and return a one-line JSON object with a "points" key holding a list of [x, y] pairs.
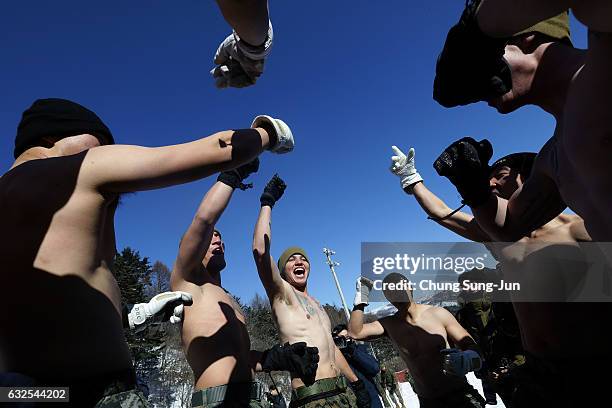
{"points": [[259, 253], [204, 219]]}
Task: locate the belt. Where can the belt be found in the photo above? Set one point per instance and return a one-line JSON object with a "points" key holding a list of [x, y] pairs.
{"points": [[228, 392], [326, 386]]}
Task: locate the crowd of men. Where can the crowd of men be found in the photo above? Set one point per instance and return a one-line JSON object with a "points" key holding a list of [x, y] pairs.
{"points": [[59, 199]]}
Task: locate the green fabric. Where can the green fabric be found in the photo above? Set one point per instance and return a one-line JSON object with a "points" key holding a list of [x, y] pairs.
{"points": [[251, 404], [319, 387], [126, 399], [235, 393], [282, 260], [341, 400], [556, 27]]}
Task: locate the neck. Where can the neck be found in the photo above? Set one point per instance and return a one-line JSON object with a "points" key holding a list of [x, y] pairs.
{"points": [[557, 65], [213, 277], [407, 309], [303, 290]]}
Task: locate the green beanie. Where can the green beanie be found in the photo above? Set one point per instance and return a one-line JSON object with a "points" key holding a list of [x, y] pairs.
{"points": [[282, 260], [556, 27]]}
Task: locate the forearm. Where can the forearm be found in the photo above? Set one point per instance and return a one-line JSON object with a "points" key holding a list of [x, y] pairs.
{"points": [[262, 236], [460, 223], [355, 325], [214, 203], [344, 367], [249, 18]]}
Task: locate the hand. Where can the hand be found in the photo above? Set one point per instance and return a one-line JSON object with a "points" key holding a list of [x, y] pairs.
{"points": [[459, 363], [240, 64], [167, 306], [273, 191], [281, 137], [466, 164], [361, 394], [297, 358], [234, 178], [403, 167], [471, 66], [362, 291]]}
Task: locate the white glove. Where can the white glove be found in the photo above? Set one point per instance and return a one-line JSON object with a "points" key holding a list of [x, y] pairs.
{"points": [[403, 167], [362, 291], [167, 306], [284, 137], [240, 64]]}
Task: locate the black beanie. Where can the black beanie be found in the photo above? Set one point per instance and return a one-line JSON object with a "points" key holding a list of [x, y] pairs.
{"points": [[57, 117]]}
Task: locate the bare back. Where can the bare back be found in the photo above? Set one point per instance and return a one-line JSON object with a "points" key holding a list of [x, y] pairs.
{"points": [[215, 337], [58, 245], [301, 318], [419, 342]]}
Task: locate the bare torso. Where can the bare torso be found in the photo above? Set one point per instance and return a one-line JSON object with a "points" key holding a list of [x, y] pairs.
{"points": [[65, 320], [581, 150], [301, 318], [419, 340], [552, 260], [215, 337]]}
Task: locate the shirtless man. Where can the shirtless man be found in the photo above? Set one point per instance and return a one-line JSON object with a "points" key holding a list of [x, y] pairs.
{"points": [[545, 327], [58, 205], [241, 56], [300, 317], [421, 333], [215, 339], [538, 66]]}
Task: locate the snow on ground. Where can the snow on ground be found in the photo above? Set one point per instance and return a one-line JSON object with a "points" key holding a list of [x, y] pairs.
{"points": [[412, 401]]}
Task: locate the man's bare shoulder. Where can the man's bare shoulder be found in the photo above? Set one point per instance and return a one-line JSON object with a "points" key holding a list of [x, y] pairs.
{"points": [[438, 312]]}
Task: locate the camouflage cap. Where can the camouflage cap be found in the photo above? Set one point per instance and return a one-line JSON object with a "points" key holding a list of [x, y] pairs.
{"points": [[556, 27]]}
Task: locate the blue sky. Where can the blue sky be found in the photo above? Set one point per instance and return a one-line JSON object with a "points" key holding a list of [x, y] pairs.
{"points": [[351, 78]]}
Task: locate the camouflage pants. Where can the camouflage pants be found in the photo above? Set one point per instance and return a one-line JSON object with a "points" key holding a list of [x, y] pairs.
{"points": [[341, 400], [251, 404], [126, 399], [463, 398]]}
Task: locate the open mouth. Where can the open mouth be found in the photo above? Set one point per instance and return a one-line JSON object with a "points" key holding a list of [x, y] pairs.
{"points": [[299, 272], [217, 251]]}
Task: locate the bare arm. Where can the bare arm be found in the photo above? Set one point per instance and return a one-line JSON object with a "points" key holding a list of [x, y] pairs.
{"points": [[454, 331], [359, 330], [343, 365], [122, 168], [460, 223], [198, 236], [248, 17], [267, 269]]}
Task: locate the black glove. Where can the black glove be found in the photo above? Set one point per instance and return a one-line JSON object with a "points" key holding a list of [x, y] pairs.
{"points": [[363, 398], [299, 359], [471, 66], [466, 164], [234, 177], [273, 192]]}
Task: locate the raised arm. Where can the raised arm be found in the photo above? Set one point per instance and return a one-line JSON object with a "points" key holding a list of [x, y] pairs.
{"points": [[411, 182], [199, 234], [121, 168], [267, 269], [240, 57], [249, 18], [356, 328]]}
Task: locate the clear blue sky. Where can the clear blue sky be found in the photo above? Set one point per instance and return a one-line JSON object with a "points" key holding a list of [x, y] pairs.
{"points": [[351, 78]]}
